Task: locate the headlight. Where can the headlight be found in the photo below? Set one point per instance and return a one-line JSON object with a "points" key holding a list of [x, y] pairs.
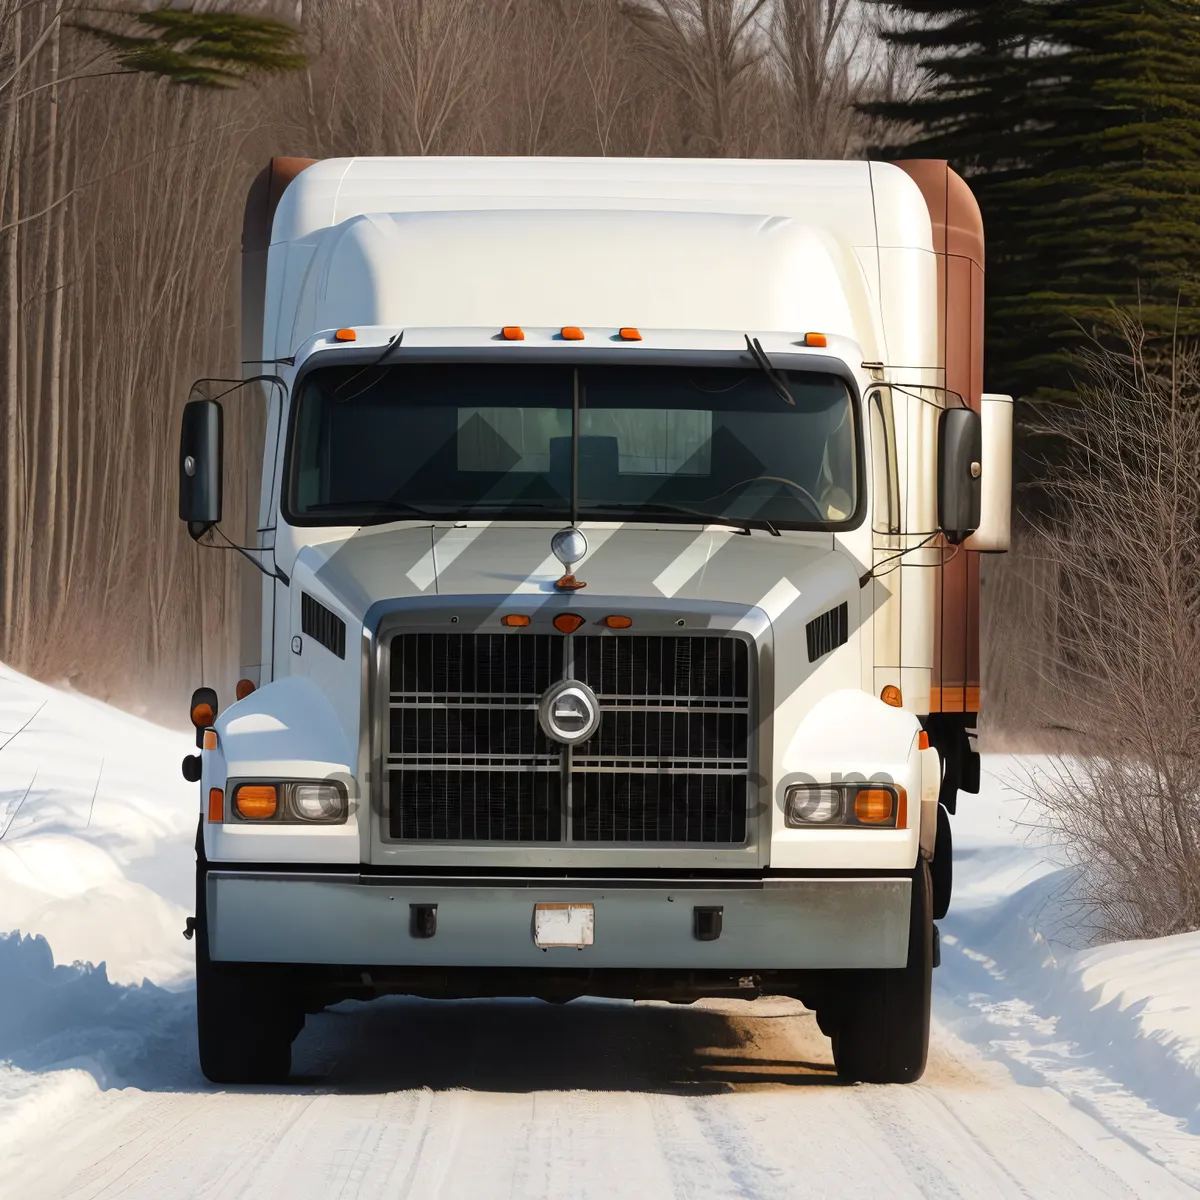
{"points": [[847, 806], [814, 806], [316, 801], [291, 802]]}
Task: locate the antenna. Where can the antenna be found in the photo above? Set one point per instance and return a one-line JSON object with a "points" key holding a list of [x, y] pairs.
{"points": [[575, 448]]}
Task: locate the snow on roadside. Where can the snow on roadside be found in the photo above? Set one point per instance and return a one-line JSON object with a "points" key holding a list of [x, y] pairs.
{"points": [[1115, 1028], [97, 827]]}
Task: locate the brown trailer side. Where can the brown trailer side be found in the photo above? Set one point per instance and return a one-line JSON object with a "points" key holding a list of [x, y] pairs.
{"points": [[954, 697]]}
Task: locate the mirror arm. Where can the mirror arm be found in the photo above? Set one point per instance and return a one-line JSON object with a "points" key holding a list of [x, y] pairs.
{"points": [[248, 552]]}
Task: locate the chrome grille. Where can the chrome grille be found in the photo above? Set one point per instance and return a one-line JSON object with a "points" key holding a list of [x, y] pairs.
{"points": [[466, 758], [670, 761]]}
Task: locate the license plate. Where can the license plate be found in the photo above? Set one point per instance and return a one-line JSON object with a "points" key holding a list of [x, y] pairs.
{"points": [[564, 925]]}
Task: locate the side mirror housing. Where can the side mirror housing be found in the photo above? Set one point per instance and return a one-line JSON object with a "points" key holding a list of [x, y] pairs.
{"points": [[960, 471], [994, 534], [200, 451]]}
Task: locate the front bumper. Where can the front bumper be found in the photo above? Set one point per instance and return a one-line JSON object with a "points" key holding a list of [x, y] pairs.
{"points": [[791, 923]]}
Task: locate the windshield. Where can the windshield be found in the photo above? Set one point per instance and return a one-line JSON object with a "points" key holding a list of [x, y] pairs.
{"points": [[487, 441]]}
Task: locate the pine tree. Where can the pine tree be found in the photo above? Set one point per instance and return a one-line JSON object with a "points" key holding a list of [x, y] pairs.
{"points": [[971, 54], [203, 49], [1077, 123], [1111, 217]]}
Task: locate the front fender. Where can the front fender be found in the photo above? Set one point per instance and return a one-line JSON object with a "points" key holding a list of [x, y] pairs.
{"points": [[850, 735], [285, 730]]}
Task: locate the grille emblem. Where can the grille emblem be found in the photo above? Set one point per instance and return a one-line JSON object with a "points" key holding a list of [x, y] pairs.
{"points": [[569, 712]]}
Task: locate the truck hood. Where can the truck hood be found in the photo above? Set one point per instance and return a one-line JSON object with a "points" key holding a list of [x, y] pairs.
{"points": [[624, 561]]}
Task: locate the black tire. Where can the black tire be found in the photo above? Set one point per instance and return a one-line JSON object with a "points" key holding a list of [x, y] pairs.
{"points": [[941, 870], [882, 1033], [827, 1021], [245, 1022]]}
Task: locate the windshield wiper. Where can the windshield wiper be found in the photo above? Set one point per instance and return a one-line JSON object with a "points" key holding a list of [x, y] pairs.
{"points": [[745, 524], [764, 364]]}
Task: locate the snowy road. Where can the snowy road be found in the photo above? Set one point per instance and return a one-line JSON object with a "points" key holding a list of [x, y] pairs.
{"points": [[472, 1100], [1035, 1089]]}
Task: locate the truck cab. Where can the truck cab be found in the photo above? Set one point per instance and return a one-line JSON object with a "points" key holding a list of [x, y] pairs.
{"points": [[617, 549]]}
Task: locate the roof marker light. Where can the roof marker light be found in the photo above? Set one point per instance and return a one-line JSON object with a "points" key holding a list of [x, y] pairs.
{"points": [[572, 333], [513, 333], [567, 622], [816, 339], [519, 620], [629, 334], [346, 335]]}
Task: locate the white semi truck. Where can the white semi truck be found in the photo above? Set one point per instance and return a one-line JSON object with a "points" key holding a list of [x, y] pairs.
{"points": [[619, 541]]}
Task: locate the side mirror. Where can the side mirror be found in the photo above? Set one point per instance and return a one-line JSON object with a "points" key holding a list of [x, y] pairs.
{"points": [[993, 535], [200, 451], [960, 471]]}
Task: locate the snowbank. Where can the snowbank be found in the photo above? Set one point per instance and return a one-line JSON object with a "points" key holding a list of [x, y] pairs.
{"points": [[97, 827], [1129, 1010]]}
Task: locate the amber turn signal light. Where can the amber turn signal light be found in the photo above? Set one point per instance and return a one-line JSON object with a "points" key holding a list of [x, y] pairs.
{"points": [[572, 333], [618, 622], [891, 695], [513, 333], [216, 806], [874, 806], [256, 801], [210, 739], [567, 622], [346, 335], [520, 620], [922, 740]]}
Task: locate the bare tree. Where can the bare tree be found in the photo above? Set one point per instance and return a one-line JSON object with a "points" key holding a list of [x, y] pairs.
{"points": [[1122, 544], [708, 50], [818, 45]]}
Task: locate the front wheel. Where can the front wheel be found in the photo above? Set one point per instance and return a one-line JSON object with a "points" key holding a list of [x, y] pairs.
{"points": [[245, 1021], [882, 1033]]}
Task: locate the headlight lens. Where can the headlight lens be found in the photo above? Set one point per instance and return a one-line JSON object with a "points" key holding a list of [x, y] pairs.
{"points": [[291, 802], [847, 806], [814, 805], [317, 801]]}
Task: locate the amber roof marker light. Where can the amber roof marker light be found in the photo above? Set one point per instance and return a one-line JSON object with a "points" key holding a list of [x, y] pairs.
{"points": [[346, 335], [627, 333], [817, 340], [513, 333], [572, 333]]}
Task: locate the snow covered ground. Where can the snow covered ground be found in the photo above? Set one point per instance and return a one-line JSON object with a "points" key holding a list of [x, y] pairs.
{"points": [[1055, 1072]]}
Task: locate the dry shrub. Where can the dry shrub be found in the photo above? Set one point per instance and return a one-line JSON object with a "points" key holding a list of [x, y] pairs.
{"points": [[1122, 551]]}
